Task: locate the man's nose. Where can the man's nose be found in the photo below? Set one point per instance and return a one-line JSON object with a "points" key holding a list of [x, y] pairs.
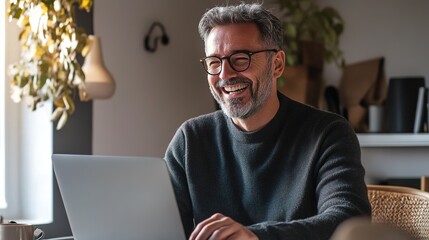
{"points": [[227, 71]]}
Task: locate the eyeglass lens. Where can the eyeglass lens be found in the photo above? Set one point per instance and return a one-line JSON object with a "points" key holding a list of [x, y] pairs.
{"points": [[238, 61]]}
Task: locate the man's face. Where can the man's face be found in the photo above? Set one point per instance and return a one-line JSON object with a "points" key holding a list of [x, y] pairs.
{"points": [[240, 94]]}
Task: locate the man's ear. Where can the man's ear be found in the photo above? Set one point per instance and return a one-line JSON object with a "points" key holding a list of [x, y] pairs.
{"points": [[279, 63]]}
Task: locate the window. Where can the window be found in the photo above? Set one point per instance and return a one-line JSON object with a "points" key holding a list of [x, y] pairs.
{"points": [[25, 144], [2, 109]]}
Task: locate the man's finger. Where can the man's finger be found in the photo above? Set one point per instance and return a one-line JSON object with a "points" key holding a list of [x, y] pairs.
{"points": [[206, 228]]}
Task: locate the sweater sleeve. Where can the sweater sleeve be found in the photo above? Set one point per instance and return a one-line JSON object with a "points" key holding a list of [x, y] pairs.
{"points": [[174, 157], [340, 189]]}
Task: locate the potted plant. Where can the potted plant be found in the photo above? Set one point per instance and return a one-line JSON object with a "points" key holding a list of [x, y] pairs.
{"points": [[311, 37], [50, 44]]}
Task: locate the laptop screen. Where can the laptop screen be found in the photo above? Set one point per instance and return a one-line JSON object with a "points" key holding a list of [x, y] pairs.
{"points": [[112, 197]]}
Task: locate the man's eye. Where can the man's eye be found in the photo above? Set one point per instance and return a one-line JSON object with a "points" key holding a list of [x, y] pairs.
{"points": [[238, 61], [213, 63]]}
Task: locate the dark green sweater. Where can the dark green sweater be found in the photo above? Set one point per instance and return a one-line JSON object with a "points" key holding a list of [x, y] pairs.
{"points": [[295, 179]]}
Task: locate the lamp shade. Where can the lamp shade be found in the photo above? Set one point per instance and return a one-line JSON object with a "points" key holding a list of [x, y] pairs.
{"points": [[99, 83]]}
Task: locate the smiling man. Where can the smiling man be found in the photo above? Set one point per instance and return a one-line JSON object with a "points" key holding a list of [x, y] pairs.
{"points": [[244, 94], [265, 166]]}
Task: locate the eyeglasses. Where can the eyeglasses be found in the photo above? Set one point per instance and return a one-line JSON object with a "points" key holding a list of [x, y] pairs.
{"points": [[238, 60]]}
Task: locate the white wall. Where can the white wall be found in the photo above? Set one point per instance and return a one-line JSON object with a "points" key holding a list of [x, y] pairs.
{"points": [[395, 29], [157, 91]]}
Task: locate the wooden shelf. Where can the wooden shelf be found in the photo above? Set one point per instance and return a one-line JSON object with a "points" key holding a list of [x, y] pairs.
{"points": [[393, 139]]}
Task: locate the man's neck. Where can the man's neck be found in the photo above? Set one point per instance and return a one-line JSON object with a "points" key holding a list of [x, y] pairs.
{"points": [[260, 118]]}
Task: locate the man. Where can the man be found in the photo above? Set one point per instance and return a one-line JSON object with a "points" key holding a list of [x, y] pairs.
{"points": [[265, 167]]}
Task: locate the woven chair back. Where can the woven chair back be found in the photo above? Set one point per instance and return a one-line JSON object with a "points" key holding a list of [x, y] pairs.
{"points": [[406, 208]]}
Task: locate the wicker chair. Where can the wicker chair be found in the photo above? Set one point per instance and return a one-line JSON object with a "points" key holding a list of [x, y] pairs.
{"points": [[406, 208]]}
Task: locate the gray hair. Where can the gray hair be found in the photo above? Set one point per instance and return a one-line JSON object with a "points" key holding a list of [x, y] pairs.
{"points": [[268, 24]]}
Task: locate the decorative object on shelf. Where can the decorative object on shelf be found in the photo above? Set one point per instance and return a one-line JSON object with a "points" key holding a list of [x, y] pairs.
{"points": [[50, 43], [362, 84], [311, 37], [332, 98], [375, 118], [421, 119], [401, 103], [99, 83], [151, 40]]}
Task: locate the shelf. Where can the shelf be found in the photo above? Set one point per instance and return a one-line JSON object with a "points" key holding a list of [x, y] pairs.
{"points": [[393, 139]]}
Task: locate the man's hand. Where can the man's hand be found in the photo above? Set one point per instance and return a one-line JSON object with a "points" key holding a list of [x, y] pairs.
{"points": [[219, 227]]}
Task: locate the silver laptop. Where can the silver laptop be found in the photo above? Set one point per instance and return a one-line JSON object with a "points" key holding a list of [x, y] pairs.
{"points": [[113, 198]]}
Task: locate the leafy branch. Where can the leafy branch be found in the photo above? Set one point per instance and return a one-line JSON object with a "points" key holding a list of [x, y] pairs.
{"points": [[50, 43]]}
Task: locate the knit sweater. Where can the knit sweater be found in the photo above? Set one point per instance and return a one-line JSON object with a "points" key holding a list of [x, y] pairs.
{"points": [[297, 178]]}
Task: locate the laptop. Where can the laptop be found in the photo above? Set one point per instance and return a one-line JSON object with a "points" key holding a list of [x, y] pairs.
{"points": [[112, 197]]}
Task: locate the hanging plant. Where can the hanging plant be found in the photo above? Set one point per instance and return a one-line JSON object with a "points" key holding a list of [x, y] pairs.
{"points": [[50, 44]]}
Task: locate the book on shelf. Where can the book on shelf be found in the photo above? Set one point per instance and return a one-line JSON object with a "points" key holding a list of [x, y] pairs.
{"points": [[427, 110], [421, 120]]}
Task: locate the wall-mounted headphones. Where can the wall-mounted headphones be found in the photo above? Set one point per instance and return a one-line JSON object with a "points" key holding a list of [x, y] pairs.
{"points": [[151, 42]]}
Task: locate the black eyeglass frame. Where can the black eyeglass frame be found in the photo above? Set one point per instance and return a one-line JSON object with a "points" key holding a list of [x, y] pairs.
{"points": [[228, 58]]}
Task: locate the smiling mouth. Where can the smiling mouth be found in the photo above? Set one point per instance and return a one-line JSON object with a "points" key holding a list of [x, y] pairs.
{"points": [[231, 89]]}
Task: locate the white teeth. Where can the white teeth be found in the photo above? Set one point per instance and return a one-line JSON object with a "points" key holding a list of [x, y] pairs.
{"points": [[235, 88]]}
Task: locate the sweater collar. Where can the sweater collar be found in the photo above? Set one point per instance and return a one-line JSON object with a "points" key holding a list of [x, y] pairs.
{"points": [[268, 131]]}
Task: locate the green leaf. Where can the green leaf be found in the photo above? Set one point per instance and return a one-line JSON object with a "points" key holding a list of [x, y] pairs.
{"points": [[331, 13], [293, 46], [80, 73], [68, 103], [22, 81], [297, 17], [15, 13], [49, 4], [290, 30], [304, 4], [42, 80], [338, 28], [291, 59]]}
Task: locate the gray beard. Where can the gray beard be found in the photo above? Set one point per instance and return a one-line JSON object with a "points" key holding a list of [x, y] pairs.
{"points": [[235, 108]]}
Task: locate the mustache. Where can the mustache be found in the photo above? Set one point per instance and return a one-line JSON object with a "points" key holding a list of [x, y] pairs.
{"points": [[222, 83]]}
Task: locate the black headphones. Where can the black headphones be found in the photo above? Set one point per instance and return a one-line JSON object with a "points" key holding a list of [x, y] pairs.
{"points": [[147, 40]]}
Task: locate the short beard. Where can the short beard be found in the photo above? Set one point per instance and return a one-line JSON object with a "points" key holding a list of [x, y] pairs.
{"points": [[235, 108]]}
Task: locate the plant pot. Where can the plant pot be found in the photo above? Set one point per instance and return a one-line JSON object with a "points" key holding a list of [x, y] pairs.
{"points": [[303, 84]]}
